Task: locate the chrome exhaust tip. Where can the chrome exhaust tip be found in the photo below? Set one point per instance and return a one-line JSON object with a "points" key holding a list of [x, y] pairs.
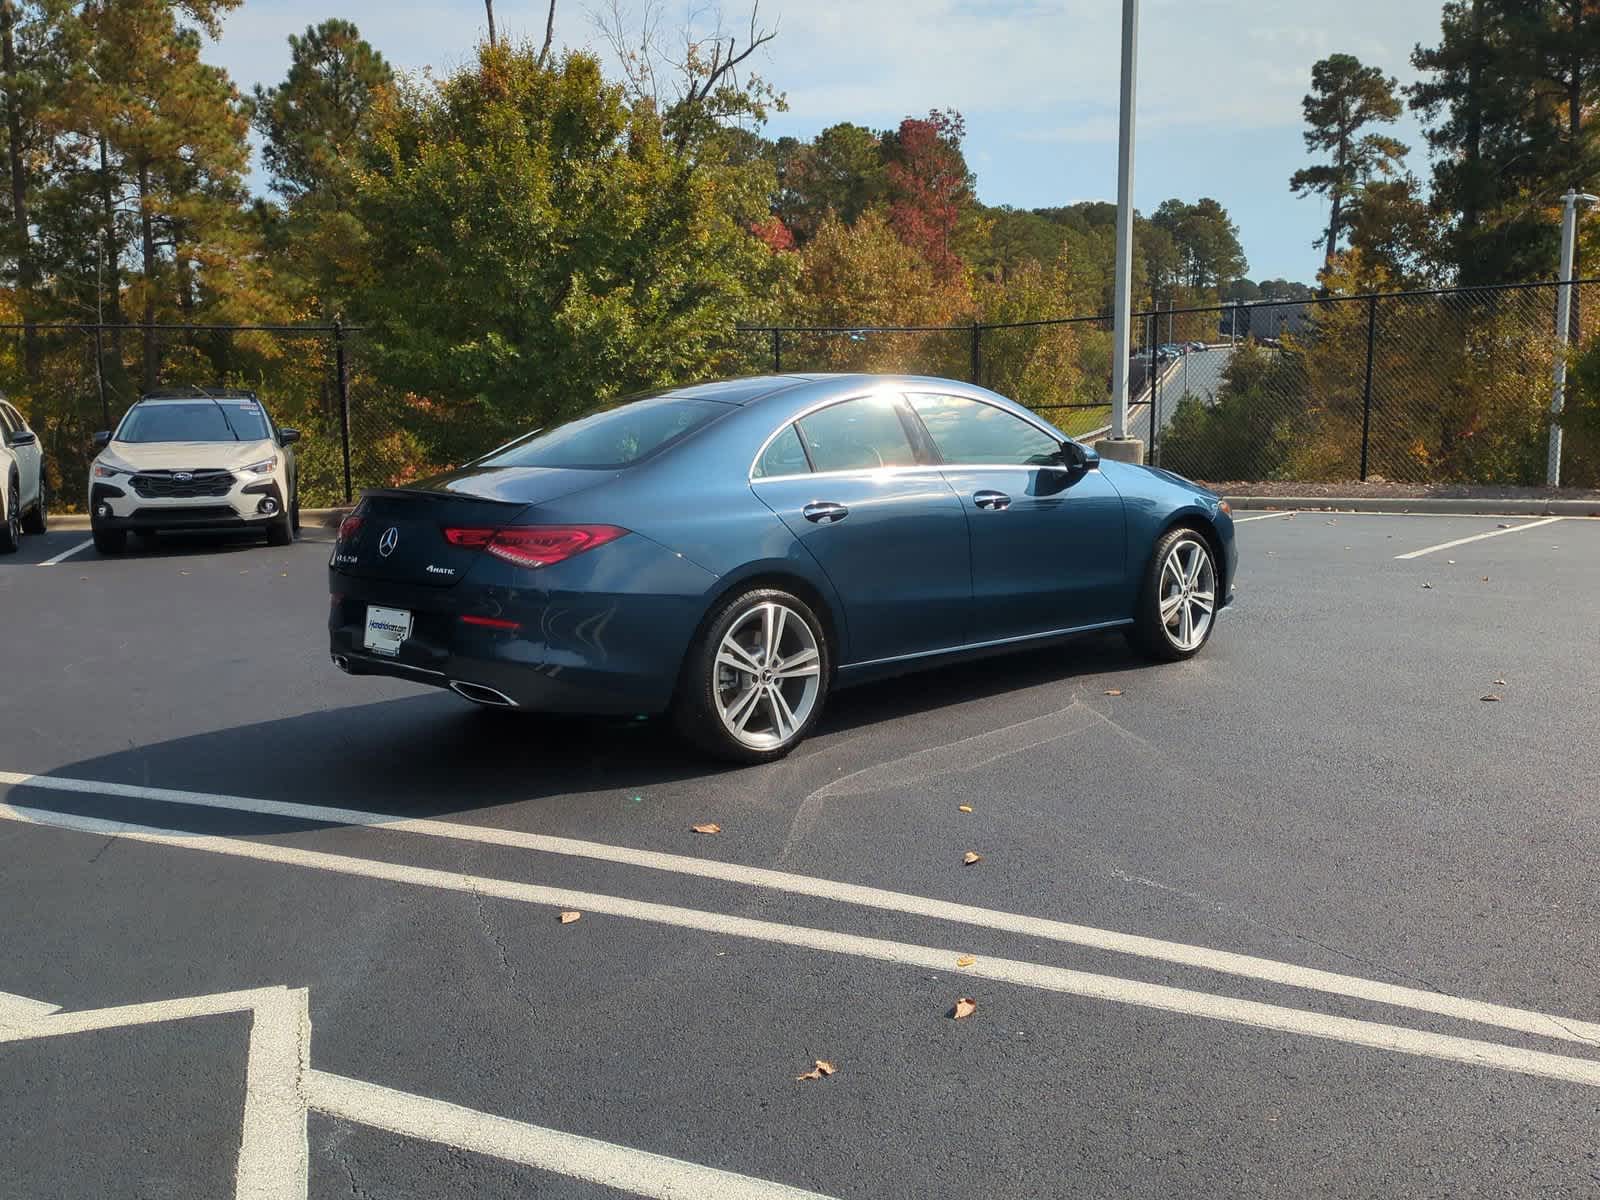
{"points": [[479, 694]]}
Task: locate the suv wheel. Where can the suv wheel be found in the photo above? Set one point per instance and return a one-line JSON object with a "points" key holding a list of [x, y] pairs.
{"points": [[1178, 603], [280, 530], [756, 678], [38, 521], [11, 530], [110, 541]]}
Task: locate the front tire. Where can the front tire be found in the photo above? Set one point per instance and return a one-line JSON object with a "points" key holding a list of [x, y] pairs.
{"points": [[110, 541], [1178, 601], [756, 678], [280, 530], [11, 528]]}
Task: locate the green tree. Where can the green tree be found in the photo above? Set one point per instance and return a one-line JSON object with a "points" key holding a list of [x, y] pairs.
{"points": [[316, 122], [1345, 99], [1508, 95], [539, 242], [840, 171]]}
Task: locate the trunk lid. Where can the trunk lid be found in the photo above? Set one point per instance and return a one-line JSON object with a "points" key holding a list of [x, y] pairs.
{"points": [[402, 529]]}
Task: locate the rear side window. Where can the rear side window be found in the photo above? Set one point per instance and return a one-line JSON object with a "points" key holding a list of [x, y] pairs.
{"points": [[221, 420], [7, 423], [784, 455], [970, 431], [857, 435], [612, 438]]}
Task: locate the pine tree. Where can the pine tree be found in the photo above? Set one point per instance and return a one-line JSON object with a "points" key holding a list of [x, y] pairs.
{"points": [[1345, 99]]}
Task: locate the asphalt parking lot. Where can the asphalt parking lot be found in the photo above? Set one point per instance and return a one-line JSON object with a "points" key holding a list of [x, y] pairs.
{"points": [[1306, 915]]}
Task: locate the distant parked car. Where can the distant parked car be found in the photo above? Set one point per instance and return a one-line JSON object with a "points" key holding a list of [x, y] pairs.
{"points": [[194, 459], [24, 496], [731, 552], [1197, 346]]}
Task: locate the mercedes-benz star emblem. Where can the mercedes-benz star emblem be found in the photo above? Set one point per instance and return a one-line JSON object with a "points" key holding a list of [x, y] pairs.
{"points": [[389, 540]]}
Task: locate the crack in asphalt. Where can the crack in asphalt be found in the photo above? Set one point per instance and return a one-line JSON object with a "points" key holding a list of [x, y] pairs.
{"points": [[1220, 907]]}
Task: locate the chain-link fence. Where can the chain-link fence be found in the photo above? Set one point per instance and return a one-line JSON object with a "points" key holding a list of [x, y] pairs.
{"points": [[1424, 387], [1447, 386]]}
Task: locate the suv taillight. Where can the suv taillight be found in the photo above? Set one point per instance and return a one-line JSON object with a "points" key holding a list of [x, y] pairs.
{"points": [[350, 526], [534, 545]]}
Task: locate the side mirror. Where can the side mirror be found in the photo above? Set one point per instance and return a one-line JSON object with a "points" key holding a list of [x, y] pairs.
{"points": [[1078, 458], [24, 437], [288, 437], [102, 439]]}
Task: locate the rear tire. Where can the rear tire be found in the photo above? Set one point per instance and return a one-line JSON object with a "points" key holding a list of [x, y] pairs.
{"points": [[38, 521], [755, 679], [110, 541], [1178, 600]]}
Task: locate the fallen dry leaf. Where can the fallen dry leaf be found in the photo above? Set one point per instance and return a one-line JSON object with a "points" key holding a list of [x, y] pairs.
{"points": [[821, 1070], [567, 918], [708, 827], [964, 807], [1113, 691], [966, 960], [1450, 562], [1491, 697], [1486, 579], [964, 1008], [1499, 683], [971, 856], [183, 572], [1503, 525], [1428, 585]]}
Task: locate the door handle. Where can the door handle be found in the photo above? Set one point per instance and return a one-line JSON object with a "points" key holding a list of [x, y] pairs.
{"points": [[994, 500], [824, 512]]}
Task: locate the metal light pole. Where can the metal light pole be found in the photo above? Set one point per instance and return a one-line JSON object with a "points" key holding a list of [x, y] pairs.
{"points": [[1569, 252], [1120, 445]]}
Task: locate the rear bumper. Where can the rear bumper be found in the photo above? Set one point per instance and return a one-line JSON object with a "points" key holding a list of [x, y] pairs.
{"points": [[602, 633]]}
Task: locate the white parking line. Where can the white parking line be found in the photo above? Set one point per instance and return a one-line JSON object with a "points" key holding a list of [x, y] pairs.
{"points": [[19, 1010], [613, 1166], [66, 554], [281, 1086], [1263, 517], [1223, 961], [272, 1162], [1478, 537], [1371, 1034]]}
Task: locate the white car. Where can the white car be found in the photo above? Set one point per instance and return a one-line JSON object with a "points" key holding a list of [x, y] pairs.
{"points": [[200, 459], [24, 498]]}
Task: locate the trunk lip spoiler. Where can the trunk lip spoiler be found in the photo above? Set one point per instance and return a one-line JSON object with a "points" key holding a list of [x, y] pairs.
{"points": [[439, 494]]}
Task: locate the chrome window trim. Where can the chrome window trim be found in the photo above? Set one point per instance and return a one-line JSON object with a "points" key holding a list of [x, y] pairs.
{"points": [[937, 467]]}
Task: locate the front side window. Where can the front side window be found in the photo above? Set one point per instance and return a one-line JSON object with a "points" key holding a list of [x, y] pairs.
{"points": [[970, 432], [857, 435], [784, 455], [8, 425], [612, 438], [221, 420]]}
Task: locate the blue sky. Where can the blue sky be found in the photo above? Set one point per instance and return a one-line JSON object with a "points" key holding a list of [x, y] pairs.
{"points": [[1219, 95]]}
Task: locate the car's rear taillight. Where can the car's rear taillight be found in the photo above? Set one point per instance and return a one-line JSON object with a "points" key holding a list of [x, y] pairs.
{"points": [[350, 526], [534, 545]]}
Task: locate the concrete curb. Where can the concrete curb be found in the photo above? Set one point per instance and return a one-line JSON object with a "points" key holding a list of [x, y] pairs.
{"points": [[1463, 506], [327, 518]]}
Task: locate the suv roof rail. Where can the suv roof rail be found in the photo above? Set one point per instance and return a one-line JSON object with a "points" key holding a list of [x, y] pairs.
{"points": [[196, 392]]}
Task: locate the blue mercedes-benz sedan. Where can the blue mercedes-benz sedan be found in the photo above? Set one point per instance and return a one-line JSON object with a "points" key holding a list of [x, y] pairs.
{"points": [[731, 552]]}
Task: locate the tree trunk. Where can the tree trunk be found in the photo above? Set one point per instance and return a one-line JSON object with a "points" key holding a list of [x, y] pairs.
{"points": [[1474, 130], [1334, 215], [147, 233], [111, 252], [27, 269]]}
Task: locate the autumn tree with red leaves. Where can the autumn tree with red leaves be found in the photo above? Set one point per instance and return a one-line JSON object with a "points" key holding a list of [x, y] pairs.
{"points": [[929, 186]]}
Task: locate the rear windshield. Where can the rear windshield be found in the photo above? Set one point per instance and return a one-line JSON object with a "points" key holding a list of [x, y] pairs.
{"points": [[201, 421], [612, 438]]}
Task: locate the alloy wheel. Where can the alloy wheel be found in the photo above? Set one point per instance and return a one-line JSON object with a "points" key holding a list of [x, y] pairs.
{"points": [[1188, 594], [768, 676]]}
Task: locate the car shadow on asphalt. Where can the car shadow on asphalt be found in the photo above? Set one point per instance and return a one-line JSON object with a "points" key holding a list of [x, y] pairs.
{"points": [[430, 755]]}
